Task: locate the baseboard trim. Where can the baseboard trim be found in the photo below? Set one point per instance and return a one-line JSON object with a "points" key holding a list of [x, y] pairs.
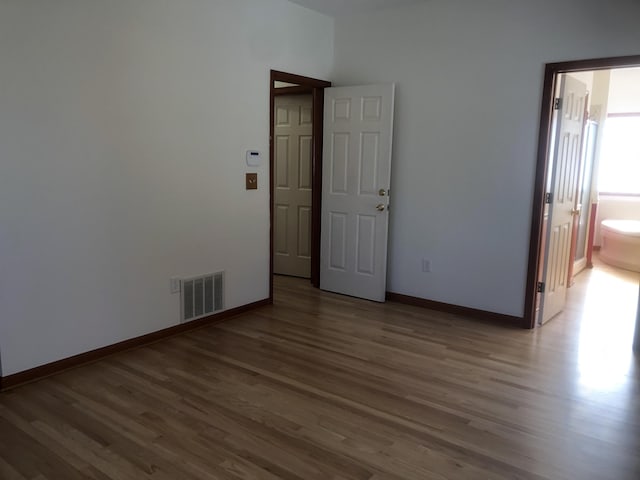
{"points": [[454, 309], [36, 373]]}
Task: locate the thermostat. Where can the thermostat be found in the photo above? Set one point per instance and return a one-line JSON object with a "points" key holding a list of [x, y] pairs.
{"points": [[254, 158]]}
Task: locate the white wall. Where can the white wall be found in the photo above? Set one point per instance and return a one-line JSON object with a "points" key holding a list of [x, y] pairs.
{"points": [[469, 83], [123, 126]]}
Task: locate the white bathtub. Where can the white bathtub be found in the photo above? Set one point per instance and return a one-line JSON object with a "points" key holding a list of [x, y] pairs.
{"points": [[621, 243]]}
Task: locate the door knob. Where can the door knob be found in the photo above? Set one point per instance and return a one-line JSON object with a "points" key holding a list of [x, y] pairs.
{"points": [[575, 211], [382, 192], [380, 207]]}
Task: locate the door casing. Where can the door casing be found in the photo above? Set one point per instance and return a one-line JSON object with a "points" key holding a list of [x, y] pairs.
{"points": [[316, 88], [552, 70]]}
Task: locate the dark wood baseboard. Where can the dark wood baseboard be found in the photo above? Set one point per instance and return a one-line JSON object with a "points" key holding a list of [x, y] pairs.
{"points": [[455, 309], [58, 366]]}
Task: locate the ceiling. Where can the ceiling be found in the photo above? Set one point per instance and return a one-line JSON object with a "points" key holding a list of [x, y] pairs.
{"points": [[337, 8]]}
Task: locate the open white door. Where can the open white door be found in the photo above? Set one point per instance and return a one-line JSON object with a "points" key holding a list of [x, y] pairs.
{"points": [[358, 125], [564, 182]]}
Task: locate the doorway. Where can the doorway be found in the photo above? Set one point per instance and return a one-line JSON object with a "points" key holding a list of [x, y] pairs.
{"points": [[553, 75], [292, 185], [350, 257], [287, 84]]}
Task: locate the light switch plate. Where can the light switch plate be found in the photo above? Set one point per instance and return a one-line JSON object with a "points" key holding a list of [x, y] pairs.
{"points": [[252, 181]]}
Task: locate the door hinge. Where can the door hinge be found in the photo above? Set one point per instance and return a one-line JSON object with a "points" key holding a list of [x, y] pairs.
{"points": [[557, 103], [540, 287], [548, 197]]}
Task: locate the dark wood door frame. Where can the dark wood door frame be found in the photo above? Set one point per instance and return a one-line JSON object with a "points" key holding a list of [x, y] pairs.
{"points": [[551, 72], [316, 88]]}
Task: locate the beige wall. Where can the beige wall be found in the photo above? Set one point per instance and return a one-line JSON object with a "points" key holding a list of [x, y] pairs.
{"points": [[586, 78], [623, 97], [624, 93]]}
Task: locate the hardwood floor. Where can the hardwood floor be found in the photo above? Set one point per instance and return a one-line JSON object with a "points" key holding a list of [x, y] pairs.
{"points": [[320, 386]]}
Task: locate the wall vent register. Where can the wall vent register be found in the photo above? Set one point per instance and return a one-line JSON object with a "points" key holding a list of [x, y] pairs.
{"points": [[201, 296]]}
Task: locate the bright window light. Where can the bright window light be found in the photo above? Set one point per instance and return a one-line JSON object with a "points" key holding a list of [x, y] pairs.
{"points": [[619, 170]]}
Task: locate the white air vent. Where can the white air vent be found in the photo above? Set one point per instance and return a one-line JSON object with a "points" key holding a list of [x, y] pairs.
{"points": [[202, 296]]}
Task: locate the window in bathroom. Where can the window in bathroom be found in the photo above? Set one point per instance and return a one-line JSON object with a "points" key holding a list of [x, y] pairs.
{"points": [[619, 170]]}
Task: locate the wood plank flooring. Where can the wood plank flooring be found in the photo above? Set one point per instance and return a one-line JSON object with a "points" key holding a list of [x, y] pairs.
{"points": [[320, 386]]}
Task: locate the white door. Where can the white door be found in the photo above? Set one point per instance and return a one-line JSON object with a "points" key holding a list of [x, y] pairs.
{"points": [[292, 185], [358, 124], [564, 182]]}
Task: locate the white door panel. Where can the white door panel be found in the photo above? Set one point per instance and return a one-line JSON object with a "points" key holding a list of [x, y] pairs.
{"points": [[565, 178], [358, 124]]}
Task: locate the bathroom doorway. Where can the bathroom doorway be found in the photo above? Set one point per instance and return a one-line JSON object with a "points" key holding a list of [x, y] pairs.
{"points": [[612, 92]]}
